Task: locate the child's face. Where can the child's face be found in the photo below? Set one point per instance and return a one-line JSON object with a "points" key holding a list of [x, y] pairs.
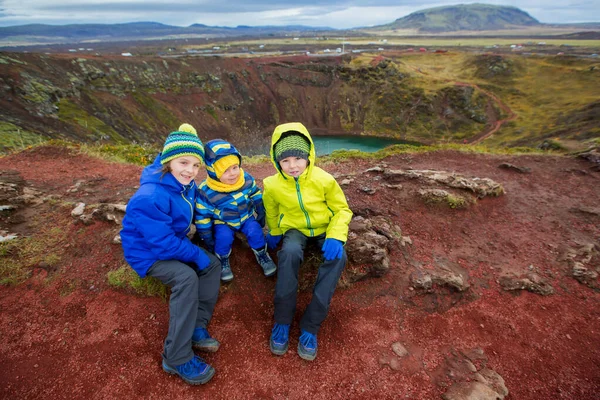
{"points": [[293, 166], [184, 169], [231, 175]]}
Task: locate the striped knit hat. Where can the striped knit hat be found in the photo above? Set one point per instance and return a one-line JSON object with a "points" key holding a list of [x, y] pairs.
{"points": [[184, 142], [292, 144]]}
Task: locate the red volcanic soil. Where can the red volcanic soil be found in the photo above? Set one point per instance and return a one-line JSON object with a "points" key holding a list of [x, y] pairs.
{"points": [[66, 334]]}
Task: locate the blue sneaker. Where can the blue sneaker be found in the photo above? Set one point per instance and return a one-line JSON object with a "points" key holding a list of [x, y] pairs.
{"points": [[194, 372], [202, 340], [307, 346], [279, 339]]}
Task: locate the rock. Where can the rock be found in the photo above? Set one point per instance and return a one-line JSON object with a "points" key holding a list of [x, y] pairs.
{"points": [[532, 283], [87, 219], [399, 349], [78, 210], [421, 280], [471, 391], [5, 236], [367, 190], [346, 182], [522, 170], [480, 186], [390, 186], [375, 169]]}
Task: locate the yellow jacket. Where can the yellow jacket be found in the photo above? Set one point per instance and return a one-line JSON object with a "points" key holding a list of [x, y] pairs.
{"points": [[314, 203]]}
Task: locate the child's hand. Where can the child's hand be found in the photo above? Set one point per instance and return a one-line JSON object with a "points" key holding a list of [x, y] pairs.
{"points": [[332, 249], [273, 241], [260, 215], [203, 261]]}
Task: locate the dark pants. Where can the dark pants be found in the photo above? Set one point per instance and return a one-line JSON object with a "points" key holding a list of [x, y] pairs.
{"points": [[290, 258], [193, 297], [224, 235]]}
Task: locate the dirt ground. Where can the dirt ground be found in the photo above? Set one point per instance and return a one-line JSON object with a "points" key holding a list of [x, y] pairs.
{"points": [[66, 334]]}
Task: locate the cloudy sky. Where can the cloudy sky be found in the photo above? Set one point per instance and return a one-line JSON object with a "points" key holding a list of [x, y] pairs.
{"points": [[338, 14]]}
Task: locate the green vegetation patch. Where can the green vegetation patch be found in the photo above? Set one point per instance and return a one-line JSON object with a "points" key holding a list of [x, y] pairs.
{"points": [[18, 256], [71, 113], [122, 153], [125, 277], [13, 137]]}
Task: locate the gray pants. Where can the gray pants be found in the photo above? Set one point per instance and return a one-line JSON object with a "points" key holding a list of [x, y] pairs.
{"points": [[193, 297], [290, 258]]}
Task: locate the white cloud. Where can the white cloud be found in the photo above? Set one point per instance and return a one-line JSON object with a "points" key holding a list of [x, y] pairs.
{"points": [[331, 13]]}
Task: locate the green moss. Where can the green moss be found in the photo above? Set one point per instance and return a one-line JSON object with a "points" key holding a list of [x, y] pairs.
{"points": [[18, 255], [156, 109], [13, 137], [125, 277], [70, 112], [123, 153]]}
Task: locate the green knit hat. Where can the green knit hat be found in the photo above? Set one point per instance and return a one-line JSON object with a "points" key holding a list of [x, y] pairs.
{"points": [[181, 143], [292, 144]]}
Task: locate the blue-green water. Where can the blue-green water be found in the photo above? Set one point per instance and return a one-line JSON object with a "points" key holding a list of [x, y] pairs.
{"points": [[327, 144]]}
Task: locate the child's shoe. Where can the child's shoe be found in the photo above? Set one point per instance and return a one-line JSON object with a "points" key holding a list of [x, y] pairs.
{"points": [[194, 372], [307, 346], [265, 261], [202, 340], [279, 339], [226, 274]]}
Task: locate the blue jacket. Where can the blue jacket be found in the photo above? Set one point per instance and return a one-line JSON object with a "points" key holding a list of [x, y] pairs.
{"points": [[231, 208], [157, 220]]}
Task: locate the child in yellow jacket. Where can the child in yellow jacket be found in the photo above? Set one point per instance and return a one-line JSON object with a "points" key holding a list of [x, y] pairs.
{"points": [[303, 203]]}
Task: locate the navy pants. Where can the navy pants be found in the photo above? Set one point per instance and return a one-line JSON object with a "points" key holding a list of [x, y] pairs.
{"points": [[224, 235], [193, 297], [290, 258]]}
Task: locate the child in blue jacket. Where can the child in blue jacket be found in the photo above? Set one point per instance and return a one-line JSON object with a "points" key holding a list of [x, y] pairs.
{"points": [[155, 243], [227, 202]]}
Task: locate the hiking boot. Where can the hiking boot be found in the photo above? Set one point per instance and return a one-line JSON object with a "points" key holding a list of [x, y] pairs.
{"points": [[226, 274], [194, 372], [202, 340], [279, 339], [307, 346], [265, 261]]}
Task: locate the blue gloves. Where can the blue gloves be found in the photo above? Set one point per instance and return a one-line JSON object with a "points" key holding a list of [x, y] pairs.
{"points": [[332, 249], [203, 261], [260, 215], [273, 241]]}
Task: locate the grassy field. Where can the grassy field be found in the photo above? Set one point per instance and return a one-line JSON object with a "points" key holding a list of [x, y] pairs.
{"points": [[538, 89]]}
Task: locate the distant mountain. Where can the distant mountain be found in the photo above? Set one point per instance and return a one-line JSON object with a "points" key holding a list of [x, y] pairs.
{"points": [[136, 30], [463, 17]]}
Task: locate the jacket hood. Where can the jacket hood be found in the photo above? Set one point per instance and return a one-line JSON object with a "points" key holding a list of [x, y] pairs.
{"points": [[301, 129], [153, 174], [215, 150]]}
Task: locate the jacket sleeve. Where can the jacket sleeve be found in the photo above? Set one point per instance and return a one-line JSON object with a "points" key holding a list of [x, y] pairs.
{"points": [[203, 214], [336, 201], [271, 208], [255, 193], [156, 228]]}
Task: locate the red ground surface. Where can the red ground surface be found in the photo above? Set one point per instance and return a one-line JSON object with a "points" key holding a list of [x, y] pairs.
{"points": [[67, 334]]}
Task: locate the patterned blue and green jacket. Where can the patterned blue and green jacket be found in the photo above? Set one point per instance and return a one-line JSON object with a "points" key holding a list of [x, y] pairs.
{"points": [[231, 208]]}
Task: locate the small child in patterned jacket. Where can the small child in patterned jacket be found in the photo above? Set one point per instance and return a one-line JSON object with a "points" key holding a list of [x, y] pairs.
{"points": [[227, 202]]}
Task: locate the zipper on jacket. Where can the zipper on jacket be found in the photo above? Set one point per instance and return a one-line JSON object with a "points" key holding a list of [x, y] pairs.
{"points": [[312, 233], [191, 211]]}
